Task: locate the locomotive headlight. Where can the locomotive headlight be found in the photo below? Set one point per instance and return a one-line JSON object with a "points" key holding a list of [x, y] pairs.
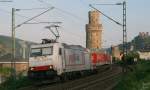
{"points": [[51, 66], [31, 68]]}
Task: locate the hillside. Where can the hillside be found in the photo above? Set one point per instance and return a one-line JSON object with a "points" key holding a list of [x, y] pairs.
{"points": [[6, 47], [141, 43]]}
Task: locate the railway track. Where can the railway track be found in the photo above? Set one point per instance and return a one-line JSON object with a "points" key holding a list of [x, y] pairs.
{"points": [[103, 69], [89, 83], [95, 83], [98, 81]]}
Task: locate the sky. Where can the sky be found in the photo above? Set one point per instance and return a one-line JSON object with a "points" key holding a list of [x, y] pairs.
{"points": [[74, 16]]}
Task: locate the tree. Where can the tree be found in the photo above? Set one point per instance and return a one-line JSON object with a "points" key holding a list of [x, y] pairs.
{"points": [[131, 56]]}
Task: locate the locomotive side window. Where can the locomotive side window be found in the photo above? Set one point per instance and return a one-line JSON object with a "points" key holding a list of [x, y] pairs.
{"points": [[36, 52], [47, 51], [60, 51]]}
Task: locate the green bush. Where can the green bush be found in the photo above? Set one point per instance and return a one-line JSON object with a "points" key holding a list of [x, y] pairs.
{"points": [[136, 79], [15, 84], [5, 71]]}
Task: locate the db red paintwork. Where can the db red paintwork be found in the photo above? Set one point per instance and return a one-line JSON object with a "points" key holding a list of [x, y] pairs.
{"points": [[40, 68], [100, 58]]}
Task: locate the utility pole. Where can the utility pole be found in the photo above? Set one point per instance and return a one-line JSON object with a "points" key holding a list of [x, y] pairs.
{"points": [[124, 30], [124, 36], [124, 46], [13, 71], [13, 62]]}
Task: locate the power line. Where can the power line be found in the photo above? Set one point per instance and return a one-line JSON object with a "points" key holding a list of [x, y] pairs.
{"points": [[5, 1], [36, 21], [31, 9], [75, 35], [5, 11], [75, 16], [68, 13], [109, 4], [34, 17], [44, 2], [106, 15], [64, 11], [87, 6], [44, 22]]}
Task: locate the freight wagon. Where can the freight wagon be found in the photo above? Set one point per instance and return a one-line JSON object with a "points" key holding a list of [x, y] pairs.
{"points": [[59, 60]]}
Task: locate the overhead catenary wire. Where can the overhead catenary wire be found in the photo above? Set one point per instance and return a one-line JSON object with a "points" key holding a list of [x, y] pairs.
{"points": [[44, 22], [30, 9], [37, 22], [63, 11], [74, 35], [106, 15], [109, 4], [6, 1], [5, 11], [73, 15], [87, 5], [34, 17]]}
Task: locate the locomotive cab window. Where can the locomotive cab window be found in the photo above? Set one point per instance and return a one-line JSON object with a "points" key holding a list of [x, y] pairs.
{"points": [[47, 51], [36, 52], [41, 51]]}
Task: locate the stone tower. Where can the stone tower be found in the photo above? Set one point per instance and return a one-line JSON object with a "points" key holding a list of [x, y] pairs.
{"points": [[94, 31]]}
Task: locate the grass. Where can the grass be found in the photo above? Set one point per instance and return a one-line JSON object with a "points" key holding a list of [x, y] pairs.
{"points": [[15, 84], [5, 71], [138, 79]]}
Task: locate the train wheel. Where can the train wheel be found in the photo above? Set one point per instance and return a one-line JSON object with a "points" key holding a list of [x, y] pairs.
{"points": [[95, 71], [30, 75], [57, 79], [64, 78], [70, 76], [78, 74]]}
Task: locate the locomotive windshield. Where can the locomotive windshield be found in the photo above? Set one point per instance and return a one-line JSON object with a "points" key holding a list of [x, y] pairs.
{"points": [[41, 51]]}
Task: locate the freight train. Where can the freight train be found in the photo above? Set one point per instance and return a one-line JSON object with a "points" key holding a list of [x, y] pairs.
{"points": [[59, 60]]}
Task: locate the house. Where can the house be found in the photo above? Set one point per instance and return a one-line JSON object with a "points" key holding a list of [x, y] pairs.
{"points": [[116, 52], [144, 54]]}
